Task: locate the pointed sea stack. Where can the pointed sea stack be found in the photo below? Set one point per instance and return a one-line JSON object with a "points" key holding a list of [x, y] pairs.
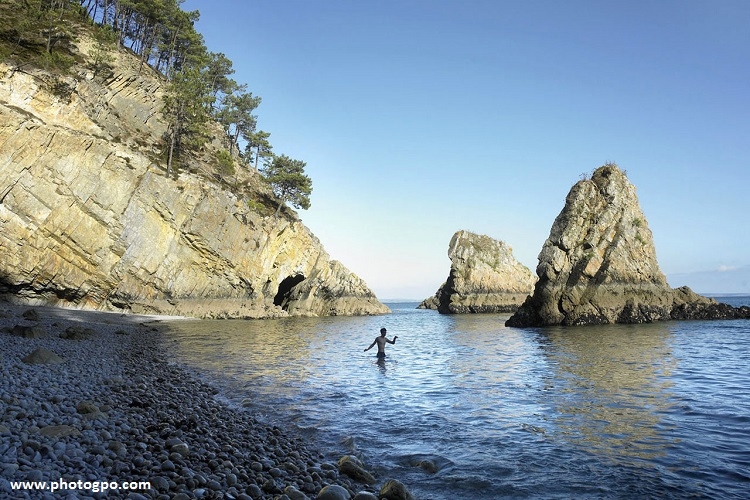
{"points": [[484, 278], [599, 265]]}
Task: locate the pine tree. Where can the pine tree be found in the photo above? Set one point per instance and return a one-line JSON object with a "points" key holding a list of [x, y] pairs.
{"points": [[289, 182]]}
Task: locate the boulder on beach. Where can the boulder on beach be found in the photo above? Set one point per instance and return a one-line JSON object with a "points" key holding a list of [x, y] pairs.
{"points": [[599, 265], [42, 356], [59, 431], [31, 315], [77, 333], [86, 407], [295, 494], [29, 332], [351, 466], [484, 278], [365, 495], [395, 490], [333, 492]]}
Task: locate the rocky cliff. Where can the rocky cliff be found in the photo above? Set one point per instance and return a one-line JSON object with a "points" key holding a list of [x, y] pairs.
{"points": [[484, 278], [599, 264], [89, 219]]}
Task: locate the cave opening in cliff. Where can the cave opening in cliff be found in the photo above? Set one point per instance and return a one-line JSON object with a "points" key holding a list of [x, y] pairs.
{"points": [[285, 289]]}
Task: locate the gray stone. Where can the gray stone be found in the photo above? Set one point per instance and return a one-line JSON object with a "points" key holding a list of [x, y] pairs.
{"points": [[77, 333], [8, 469], [5, 487], [34, 475], [160, 483], [351, 466], [29, 332], [86, 407], [118, 448], [294, 494], [254, 491], [365, 495], [42, 356], [333, 492], [31, 315], [427, 466], [275, 472], [395, 490], [168, 466]]}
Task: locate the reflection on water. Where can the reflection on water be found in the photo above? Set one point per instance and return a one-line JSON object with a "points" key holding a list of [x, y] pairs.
{"points": [[493, 412], [610, 387]]}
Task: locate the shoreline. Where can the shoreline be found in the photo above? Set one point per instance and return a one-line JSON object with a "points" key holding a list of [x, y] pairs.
{"points": [[115, 410]]}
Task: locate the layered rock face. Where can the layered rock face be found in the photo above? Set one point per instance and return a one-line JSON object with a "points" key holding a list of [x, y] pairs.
{"points": [[484, 278], [599, 264], [88, 219]]}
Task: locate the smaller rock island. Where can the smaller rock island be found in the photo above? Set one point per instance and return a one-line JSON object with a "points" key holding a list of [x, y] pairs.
{"points": [[484, 278]]}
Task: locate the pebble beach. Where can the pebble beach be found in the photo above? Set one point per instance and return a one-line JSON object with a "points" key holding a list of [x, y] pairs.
{"points": [[92, 407]]}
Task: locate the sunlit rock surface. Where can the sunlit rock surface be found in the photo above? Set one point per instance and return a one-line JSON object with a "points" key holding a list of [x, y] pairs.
{"points": [[89, 219], [484, 278], [599, 264]]}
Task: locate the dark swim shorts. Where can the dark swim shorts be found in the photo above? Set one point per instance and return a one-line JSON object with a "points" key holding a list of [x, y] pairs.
{"points": [[381, 355]]}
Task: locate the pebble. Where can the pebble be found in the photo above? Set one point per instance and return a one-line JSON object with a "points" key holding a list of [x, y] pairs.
{"points": [[116, 410]]}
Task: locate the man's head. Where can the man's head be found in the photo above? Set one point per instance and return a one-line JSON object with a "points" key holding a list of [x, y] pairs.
{"points": [[382, 332]]}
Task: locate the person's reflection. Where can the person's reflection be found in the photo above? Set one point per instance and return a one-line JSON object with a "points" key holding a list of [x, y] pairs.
{"points": [[381, 364]]}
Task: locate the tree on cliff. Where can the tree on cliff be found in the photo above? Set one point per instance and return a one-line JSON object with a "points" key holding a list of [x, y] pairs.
{"points": [[237, 117], [258, 148], [219, 68], [289, 182], [186, 109]]}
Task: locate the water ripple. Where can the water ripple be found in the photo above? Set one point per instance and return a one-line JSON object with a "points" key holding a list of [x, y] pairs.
{"points": [[465, 408]]}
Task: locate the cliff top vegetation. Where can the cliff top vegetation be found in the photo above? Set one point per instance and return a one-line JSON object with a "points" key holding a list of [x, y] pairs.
{"points": [[211, 125]]}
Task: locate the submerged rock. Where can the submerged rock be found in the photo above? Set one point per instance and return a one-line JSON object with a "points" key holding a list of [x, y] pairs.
{"points": [[599, 264], [484, 278]]}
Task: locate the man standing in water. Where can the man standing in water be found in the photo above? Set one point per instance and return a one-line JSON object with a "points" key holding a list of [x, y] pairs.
{"points": [[381, 341]]}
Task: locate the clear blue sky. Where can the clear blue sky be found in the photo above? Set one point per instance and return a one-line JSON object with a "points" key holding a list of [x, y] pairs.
{"points": [[420, 118]]}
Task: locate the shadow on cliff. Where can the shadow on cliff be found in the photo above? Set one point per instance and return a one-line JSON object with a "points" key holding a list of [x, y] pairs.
{"points": [[284, 295]]}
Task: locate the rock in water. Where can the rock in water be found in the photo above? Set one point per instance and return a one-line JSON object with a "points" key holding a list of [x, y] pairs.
{"points": [[484, 278], [351, 466], [599, 263], [395, 490]]}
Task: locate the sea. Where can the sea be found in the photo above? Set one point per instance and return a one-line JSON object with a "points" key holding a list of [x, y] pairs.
{"points": [[465, 408]]}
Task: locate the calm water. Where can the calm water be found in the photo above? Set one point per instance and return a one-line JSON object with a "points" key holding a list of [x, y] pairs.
{"points": [[657, 410]]}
